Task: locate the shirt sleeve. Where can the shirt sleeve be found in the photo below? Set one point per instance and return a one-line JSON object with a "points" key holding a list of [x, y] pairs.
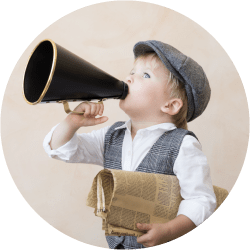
{"points": [[193, 172], [81, 148]]}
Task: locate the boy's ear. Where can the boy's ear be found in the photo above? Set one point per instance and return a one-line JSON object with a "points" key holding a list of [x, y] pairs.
{"points": [[172, 107]]}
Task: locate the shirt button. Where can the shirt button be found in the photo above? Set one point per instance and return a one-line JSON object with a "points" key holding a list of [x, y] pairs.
{"points": [[129, 153]]}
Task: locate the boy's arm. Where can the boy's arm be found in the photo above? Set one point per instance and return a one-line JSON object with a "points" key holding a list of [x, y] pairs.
{"points": [[161, 233], [62, 134], [67, 128], [193, 173], [64, 144]]}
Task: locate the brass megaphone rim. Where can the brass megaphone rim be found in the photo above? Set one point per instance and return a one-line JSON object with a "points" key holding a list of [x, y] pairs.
{"points": [[53, 67]]}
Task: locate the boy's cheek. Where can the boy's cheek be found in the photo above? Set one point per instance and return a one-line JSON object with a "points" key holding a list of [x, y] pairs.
{"points": [[136, 89]]}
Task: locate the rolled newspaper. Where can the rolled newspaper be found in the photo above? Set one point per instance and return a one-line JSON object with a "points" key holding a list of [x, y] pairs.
{"points": [[124, 198]]}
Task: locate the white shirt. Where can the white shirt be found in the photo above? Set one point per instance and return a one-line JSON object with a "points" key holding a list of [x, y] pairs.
{"points": [[190, 167]]}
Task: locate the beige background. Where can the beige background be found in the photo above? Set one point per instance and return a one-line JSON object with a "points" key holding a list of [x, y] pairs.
{"points": [[104, 34]]}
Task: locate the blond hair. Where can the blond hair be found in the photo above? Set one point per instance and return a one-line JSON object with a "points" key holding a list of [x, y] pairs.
{"points": [[177, 89]]}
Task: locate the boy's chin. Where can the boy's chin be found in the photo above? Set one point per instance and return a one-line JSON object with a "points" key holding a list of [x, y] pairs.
{"points": [[122, 104]]}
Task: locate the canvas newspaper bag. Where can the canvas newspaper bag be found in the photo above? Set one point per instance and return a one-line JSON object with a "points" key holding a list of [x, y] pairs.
{"points": [[124, 198]]}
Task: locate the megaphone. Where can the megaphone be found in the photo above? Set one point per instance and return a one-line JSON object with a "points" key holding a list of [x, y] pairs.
{"points": [[56, 75]]}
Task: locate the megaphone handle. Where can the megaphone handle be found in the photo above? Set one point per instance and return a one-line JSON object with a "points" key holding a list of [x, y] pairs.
{"points": [[67, 109]]}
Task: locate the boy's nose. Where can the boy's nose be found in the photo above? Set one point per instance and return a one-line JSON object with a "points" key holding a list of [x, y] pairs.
{"points": [[129, 79]]}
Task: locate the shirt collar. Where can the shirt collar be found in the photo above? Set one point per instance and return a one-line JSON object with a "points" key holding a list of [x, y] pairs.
{"points": [[166, 126]]}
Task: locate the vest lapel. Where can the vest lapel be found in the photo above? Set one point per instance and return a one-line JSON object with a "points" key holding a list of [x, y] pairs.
{"points": [[113, 148], [155, 160]]}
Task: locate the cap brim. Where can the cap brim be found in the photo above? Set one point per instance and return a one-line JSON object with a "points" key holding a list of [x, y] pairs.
{"points": [[142, 48]]}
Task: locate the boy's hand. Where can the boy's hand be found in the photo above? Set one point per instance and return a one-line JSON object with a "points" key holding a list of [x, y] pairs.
{"points": [[91, 110], [161, 233], [156, 234]]}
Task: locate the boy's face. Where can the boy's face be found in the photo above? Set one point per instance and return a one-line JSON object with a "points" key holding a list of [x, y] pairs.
{"points": [[147, 90]]}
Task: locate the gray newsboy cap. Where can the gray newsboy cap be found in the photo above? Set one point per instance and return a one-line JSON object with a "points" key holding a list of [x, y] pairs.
{"points": [[186, 70]]}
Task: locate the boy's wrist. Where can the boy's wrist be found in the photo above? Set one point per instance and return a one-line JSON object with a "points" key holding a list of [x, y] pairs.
{"points": [[70, 124], [179, 226], [62, 134], [168, 230]]}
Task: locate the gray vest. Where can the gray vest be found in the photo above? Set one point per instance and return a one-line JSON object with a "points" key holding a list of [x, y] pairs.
{"points": [[159, 160]]}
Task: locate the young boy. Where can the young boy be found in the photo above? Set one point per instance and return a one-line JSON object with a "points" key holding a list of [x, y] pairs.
{"points": [[166, 90]]}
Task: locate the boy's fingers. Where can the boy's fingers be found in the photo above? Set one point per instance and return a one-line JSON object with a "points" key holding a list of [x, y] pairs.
{"points": [[90, 109], [98, 109], [93, 108], [142, 239], [87, 110], [144, 226], [101, 109]]}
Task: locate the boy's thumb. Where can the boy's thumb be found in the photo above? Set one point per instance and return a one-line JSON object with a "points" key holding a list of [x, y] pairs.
{"points": [[101, 120]]}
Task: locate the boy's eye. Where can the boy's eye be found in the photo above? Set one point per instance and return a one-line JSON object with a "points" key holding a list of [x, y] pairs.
{"points": [[146, 75]]}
